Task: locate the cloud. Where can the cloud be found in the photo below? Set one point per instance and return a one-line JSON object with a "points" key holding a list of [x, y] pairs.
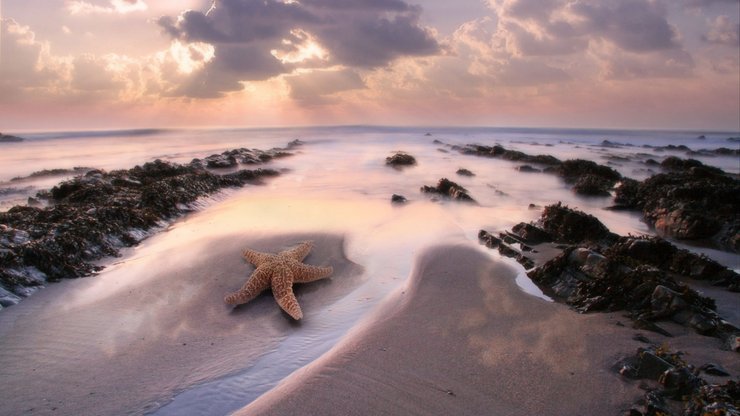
{"points": [[316, 87], [723, 31], [26, 62], [77, 7], [707, 3], [252, 37]]}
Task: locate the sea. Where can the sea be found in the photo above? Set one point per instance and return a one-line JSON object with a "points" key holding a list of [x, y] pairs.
{"points": [[336, 183]]}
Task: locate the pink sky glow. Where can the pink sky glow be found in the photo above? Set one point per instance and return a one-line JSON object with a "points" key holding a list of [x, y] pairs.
{"points": [[91, 64]]}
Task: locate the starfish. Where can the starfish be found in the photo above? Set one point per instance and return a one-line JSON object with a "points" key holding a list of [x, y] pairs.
{"points": [[279, 272]]}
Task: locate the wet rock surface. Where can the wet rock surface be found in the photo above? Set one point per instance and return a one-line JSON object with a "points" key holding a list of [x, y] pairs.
{"points": [[691, 201], [598, 270], [400, 159], [679, 388], [94, 215], [448, 189]]}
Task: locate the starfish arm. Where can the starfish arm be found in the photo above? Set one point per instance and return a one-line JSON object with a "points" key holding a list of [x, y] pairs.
{"points": [[257, 258], [299, 253], [256, 284], [282, 290], [304, 273]]}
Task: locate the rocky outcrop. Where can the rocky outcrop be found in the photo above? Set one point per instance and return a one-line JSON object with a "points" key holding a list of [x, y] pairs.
{"points": [[94, 215], [400, 159], [678, 382], [448, 189], [600, 271], [692, 201], [587, 177]]}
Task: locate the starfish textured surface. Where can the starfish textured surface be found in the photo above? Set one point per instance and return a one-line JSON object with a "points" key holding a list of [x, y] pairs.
{"points": [[279, 272]]}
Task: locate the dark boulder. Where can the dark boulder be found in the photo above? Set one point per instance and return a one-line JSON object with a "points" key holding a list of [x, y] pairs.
{"points": [[398, 199], [692, 202], [592, 185], [465, 172], [570, 226], [400, 159], [449, 189]]}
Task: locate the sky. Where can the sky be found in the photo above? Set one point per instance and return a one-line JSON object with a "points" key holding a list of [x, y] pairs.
{"points": [[103, 64]]}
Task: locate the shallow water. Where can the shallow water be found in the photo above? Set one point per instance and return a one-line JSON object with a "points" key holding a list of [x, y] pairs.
{"points": [[337, 184]]}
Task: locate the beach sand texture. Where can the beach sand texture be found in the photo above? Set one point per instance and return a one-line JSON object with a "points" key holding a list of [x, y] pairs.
{"points": [[463, 339]]}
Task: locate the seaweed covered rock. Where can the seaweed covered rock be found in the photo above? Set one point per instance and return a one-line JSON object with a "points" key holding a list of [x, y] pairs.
{"points": [[592, 185], [94, 215], [400, 159], [588, 177], [498, 151], [448, 189], [573, 169], [692, 202], [601, 271], [570, 226], [681, 388]]}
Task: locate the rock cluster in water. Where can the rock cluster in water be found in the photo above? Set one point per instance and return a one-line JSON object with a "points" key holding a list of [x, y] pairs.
{"points": [[587, 177], [598, 270], [448, 189], [680, 388], [94, 215], [688, 202]]}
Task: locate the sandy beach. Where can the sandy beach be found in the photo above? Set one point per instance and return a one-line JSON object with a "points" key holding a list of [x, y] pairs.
{"points": [[462, 338]]}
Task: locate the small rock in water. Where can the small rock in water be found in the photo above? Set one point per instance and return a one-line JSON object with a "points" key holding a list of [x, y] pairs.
{"points": [[465, 172], [398, 199], [400, 159]]}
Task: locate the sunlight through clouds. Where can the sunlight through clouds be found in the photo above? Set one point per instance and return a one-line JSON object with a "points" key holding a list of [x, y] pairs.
{"points": [[115, 6]]}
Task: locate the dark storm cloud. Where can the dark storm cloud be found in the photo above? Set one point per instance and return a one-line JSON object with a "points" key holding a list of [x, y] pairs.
{"points": [[356, 33]]}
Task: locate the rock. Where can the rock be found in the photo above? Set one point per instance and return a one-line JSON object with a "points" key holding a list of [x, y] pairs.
{"points": [[714, 369], [398, 199], [691, 202], [592, 185], [449, 189], [531, 234], [464, 172], [666, 302], [572, 170], [400, 159], [6, 138], [503, 153], [566, 225], [528, 169]]}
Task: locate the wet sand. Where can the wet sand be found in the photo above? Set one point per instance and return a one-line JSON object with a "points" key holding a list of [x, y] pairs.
{"points": [[463, 339], [126, 341]]}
